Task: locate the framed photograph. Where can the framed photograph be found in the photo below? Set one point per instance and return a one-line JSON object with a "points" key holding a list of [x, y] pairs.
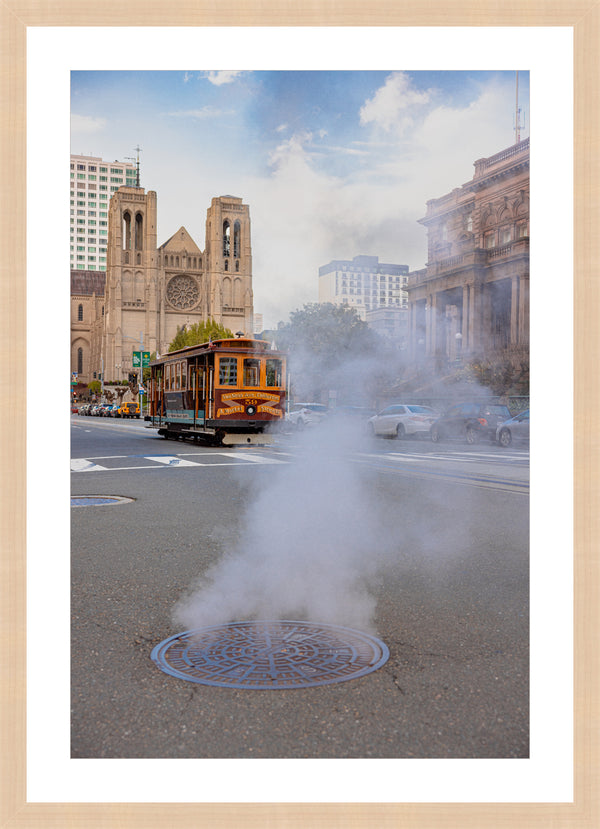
{"points": [[422, 92]]}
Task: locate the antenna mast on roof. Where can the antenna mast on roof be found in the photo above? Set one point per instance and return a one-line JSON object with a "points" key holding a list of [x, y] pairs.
{"points": [[137, 165]]}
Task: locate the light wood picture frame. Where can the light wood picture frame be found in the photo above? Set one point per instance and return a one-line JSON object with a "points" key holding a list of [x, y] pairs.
{"points": [[16, 17]]}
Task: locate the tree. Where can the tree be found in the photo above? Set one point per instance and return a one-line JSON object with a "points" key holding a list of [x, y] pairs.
{"points": [[199, 332], [95, 387], [331, 349]]}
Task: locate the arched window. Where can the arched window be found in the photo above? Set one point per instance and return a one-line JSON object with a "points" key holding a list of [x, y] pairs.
{"points": [[80, 361], [126, 230], [236, 239], [226, 238], [139, 228], [227, 292], [80, 313]]}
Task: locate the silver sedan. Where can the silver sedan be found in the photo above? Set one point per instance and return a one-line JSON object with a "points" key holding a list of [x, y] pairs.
{"points": [[515, 429], [403, 419]]}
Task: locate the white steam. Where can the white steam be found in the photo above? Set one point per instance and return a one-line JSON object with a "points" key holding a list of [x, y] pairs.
{"points": [[309, 546]]}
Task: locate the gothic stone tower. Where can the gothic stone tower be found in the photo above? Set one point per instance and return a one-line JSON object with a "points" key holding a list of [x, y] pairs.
{"points": [[131, 280], [229, 263]]}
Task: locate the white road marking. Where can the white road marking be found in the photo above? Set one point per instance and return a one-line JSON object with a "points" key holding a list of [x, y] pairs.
{"points": [[171, 460], [84, 465]]}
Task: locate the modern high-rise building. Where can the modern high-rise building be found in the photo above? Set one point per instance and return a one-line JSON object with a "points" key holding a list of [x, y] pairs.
{"points": [[365, 284], [93, 182]]}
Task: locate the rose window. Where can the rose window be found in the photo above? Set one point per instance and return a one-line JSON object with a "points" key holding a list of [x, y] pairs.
{"points": [[182, 292]]}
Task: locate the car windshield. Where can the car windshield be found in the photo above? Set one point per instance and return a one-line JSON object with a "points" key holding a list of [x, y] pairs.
{"points": [[497, 410], [420, 409]]}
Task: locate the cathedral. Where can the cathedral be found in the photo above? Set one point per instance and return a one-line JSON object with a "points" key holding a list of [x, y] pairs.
{"points": [[149, 292]]}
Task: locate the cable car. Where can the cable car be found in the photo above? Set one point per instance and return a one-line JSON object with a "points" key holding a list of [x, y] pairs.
{"points": [[225, 392]]}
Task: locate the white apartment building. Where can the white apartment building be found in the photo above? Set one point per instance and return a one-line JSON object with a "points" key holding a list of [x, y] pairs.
{"points": [[365, 283], [93, 182]]}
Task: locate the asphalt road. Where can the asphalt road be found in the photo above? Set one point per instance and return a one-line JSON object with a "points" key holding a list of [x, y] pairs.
{"points": [[444, 557]]}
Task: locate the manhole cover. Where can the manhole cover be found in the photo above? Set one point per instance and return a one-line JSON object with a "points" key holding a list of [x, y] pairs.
{"points": [[98, 500], [269, 655]]}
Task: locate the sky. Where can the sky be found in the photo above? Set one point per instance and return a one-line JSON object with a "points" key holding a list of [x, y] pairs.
{"points": [[333, 164]]}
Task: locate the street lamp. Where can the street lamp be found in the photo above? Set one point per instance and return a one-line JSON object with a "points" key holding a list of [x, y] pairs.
{"points": [[458, 337]]}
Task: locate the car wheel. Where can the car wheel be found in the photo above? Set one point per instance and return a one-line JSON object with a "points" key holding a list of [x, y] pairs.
{"points": [[400, 432], [471, 435], [436, 435], [505, 437]]}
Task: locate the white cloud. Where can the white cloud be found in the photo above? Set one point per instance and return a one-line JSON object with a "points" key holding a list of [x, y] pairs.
{"points": [[388, 107], [202, 113], [223, 77], [86, 124]]}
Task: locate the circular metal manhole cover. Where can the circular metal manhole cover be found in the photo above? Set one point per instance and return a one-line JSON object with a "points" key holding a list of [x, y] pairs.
{"points": [[98, 500], [270, 655]]}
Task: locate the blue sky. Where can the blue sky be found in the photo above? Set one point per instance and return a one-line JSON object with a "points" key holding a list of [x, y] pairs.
{"points": [[332, 163]]}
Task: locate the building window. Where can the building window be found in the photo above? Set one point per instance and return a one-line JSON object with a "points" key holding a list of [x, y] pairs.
{"points": [[506, 235], [226, 238], [80, 361], [236, 239], [80, 313]]}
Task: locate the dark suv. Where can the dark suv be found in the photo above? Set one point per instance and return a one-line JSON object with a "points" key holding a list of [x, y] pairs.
{"points": [[470, 421]]}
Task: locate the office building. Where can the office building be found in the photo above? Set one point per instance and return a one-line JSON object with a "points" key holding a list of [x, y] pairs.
{"points": [[93, 182], [364, 283]]}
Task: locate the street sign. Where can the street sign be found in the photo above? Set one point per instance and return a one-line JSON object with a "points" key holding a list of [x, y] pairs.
{"points": [[141, 358]]}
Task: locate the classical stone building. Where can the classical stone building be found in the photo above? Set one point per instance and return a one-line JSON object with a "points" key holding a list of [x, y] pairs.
{"points": [[152, 290], [472, 298], [87, 305]]}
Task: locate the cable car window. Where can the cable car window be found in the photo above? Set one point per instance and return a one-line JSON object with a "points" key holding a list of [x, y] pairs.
{"points": [[183, 375], [274, 372], [251, 372], [228, 371]]}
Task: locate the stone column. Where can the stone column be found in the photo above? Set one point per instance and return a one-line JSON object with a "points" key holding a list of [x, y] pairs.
{"points": [[515, 311]]}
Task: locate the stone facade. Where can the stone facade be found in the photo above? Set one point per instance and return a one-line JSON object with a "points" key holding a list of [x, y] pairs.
{"points": [[87, 305], [152, 291], [472, 298]]}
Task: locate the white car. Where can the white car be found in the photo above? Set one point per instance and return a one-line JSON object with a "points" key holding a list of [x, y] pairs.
{"points": [[305, 414], [402, 419]]}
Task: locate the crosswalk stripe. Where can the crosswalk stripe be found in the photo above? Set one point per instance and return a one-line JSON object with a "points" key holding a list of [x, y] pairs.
{"points": [[84, 465], [171, 460]]}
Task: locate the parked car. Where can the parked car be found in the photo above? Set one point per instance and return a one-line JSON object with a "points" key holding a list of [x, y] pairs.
{"points": [[470, 422], [95, 410], [515, 429], [129, 410], [305, 414], [83, 409], [74, 409], [402, 419], [108, 409]]}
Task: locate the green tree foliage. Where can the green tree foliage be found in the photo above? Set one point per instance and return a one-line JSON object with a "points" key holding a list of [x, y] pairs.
{"points": [[330, 349], [95, 387], [199, 332]]}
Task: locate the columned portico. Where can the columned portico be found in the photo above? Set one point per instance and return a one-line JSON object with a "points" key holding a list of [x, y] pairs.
{"points": [[474, 290]]}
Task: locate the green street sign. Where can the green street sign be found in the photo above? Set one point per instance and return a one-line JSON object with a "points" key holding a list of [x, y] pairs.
{"points": [[141, 358]]}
